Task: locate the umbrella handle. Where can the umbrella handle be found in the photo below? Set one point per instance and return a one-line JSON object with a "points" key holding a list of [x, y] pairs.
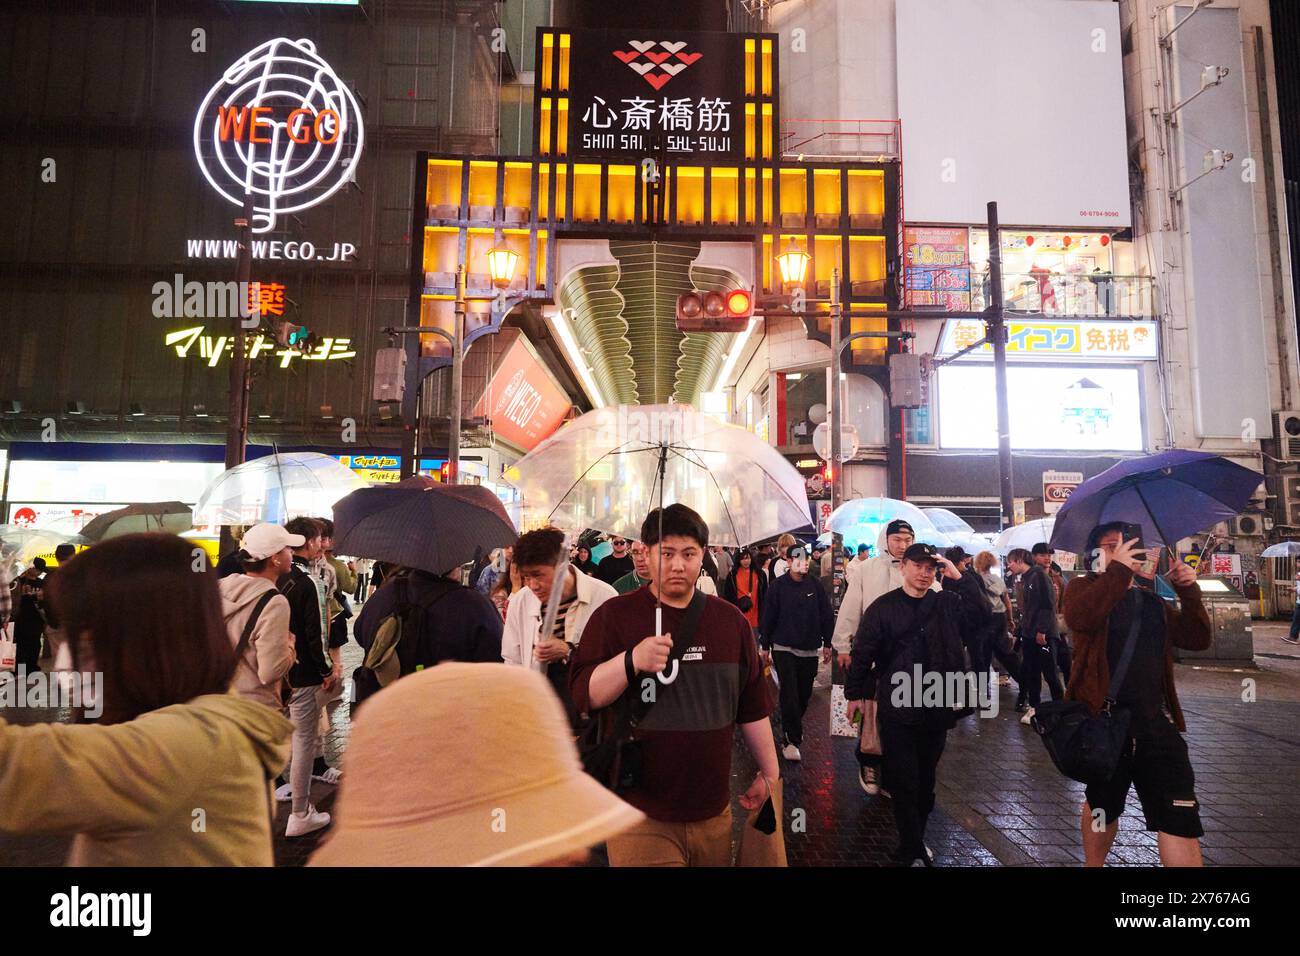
{"points": [[659, 629], [672, 675]]}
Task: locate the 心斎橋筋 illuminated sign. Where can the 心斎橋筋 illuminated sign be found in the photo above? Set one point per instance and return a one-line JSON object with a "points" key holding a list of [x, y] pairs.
{"points": [[631, 88], [282, 126]]}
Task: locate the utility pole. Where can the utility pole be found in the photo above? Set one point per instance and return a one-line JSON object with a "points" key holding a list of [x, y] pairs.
{"points": [[837, 539], [457, 371], [237, 410], [996, 332]]}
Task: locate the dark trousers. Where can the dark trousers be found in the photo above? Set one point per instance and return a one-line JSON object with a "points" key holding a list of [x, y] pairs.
{"points": [[796, 676], [1002, 649], [911, 756], [1295, 622], [1064, 658], [1038, 663]]}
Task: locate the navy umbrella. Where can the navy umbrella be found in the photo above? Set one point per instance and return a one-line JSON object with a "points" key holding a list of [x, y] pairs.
{"points": [[430, 526], [1171, 495]]}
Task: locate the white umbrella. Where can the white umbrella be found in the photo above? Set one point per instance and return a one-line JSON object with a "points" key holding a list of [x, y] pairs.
{"points": [[1037, 531], [947, 522], [861, 520], [275, 489], [19, 544], [1283, 549], [603, 471]]}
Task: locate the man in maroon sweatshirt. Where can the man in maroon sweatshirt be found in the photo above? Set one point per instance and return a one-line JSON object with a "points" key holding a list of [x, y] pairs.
{"points": [[686, 738]]}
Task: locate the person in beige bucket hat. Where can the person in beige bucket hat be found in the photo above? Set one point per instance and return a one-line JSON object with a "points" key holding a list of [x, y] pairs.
{"points": [[467, 765]]}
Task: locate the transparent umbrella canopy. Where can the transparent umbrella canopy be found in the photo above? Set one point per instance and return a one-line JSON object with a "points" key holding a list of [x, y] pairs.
{"points": [[861, 520], [604, 471], [20, 545], [275, 489], [947, 522], [1026, 535]]}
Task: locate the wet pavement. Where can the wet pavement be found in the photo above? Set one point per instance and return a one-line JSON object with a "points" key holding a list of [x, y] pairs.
{"points": [[1000, 801]]}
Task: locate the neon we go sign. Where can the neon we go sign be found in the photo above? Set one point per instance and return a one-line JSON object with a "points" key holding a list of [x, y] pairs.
{"points": [[281, 126]]}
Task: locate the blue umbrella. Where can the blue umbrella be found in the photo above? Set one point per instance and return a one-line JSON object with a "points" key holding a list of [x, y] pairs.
{"points": [[1171, 495]]}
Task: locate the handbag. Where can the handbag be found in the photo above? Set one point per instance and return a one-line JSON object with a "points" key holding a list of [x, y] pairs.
{"points": [[762, 839], [1085, 746], [869, 741], [8, 650], [615, 758], [745, 603]]}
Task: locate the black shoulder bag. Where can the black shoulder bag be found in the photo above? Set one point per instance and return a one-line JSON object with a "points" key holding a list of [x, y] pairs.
{"points": [[1084, 746], [614, 758]]}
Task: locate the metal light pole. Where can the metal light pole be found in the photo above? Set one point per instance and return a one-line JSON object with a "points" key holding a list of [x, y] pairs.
{"points": [[457, 369], [996, 333], [837, 540], [237, 405]]}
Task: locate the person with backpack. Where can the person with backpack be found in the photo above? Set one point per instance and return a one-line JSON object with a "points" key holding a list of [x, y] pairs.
{"points": [[418, 619], [313, 674], [257, 614], [537, 553]]}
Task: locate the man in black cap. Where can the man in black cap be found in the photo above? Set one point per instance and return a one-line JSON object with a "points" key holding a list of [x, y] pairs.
{"points": [[908, 643], [1038, 633]]}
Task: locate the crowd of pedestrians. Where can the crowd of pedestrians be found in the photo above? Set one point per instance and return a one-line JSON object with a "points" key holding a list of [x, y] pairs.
{"points": [[227, 679]]}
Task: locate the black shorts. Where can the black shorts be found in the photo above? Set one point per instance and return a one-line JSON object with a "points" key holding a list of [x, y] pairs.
{"points": [[1162, 773]]}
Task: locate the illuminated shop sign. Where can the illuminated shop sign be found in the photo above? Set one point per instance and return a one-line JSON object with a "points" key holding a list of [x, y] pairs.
{"points": [[1114, 341], [192, 341], [631, 89], [386, 469], [282, 125]]}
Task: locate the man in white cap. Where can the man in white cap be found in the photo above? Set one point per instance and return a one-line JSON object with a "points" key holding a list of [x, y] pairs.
{"points": [[257, 614], [482, 791]]}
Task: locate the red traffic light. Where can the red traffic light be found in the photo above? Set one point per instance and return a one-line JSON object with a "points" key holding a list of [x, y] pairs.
{"points": [[714, 311], [445, 471]]}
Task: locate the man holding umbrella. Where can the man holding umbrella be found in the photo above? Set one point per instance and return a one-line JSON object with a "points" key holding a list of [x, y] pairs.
{"points": [[1109, 608]]}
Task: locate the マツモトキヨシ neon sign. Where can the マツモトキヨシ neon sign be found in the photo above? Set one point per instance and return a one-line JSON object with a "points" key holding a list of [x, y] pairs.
{"points": [[280, 126]]}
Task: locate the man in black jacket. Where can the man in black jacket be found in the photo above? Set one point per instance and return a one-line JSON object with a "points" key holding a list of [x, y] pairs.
{"points": [[976, 601], [1037, 632], [908, 655], [797, 624], [313, 673]]}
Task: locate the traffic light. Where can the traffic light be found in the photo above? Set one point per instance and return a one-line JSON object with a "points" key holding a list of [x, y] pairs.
{"points": [[293, 336], [445, 472], [828, 473], [714, 311]]}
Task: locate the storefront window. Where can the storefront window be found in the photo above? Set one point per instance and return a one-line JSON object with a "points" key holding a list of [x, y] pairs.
{"points": [[805, 406]]}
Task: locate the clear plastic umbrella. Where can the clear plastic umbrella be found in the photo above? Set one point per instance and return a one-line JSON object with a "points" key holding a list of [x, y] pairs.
{"points": [[21, 545], [608, 469], [1283, 549], [947, 522], [1037, 531], [275, 489], [861, 520]]}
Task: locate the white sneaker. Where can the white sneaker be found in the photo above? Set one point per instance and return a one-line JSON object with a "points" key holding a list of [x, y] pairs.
{"points": [[1028, 715], [300, 824], [791, 752], [284, 793], [332, 775], [929, 854]]}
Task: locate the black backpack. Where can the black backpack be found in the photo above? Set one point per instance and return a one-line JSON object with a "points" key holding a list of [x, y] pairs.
{"points": [[405, 641]]}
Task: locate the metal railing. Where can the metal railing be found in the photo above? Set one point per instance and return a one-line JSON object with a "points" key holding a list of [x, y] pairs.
{"points": [[834, 139], [1090, 294]]}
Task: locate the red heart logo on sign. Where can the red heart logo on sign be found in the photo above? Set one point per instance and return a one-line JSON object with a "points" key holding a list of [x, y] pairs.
{"points": [[689, 58], [657, 81], [657, 57], [627, 56]]}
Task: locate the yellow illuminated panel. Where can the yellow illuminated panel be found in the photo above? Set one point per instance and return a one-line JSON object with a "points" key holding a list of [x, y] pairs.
{"points": [[543, 191], [586, 192], [690, 195], [794, 196], [564, 63], [562, 128], [767, 67], [866, 198], [751, 197], [544, 131], [622, 194], [548, 53], [482, 186], [868, 351], [541, 259], [749, 67], [441, 246], [479, 242], [561, 191], [767, 130], [826, 197], [518, 188], [750, 124], [725, 200], [443, 193], [767, 265], [867, 265], [826, 258], [439, 311], [767, 197]]}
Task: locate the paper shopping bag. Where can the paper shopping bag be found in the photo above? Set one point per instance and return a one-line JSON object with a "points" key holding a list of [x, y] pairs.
{"points": [[762, 840], [869, 742]]}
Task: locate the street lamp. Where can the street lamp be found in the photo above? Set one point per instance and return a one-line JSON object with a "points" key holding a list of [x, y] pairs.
{"points": [[501, 265], [793, 263]]}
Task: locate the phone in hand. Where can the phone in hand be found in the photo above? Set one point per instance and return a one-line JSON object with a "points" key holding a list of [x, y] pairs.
{"points": [[1147, 567]]}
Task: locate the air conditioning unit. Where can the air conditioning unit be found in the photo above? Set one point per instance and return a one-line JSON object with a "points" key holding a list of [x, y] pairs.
{"points": [[1249, 526], [1286, 429], [1288, 500]]}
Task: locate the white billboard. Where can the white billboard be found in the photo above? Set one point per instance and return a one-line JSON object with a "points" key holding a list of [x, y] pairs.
{"points": [[1052, 408], [1017, 101]]}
